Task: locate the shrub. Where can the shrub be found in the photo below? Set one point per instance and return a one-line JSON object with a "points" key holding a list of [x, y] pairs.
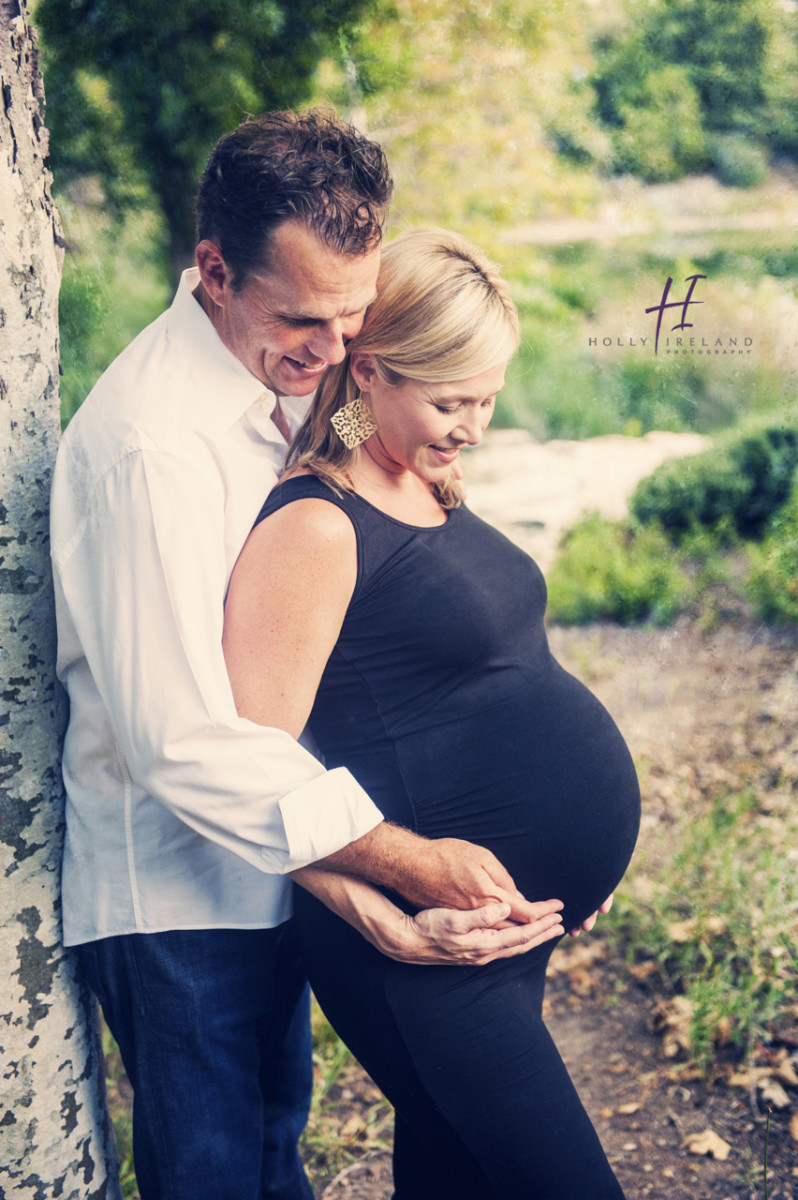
{"points": [[738, 161], [605, 571], [772, 582], [745, 482]]}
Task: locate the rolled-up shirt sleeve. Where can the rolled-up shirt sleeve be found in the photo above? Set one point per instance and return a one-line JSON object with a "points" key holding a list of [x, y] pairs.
{"points": [[139, 558]]}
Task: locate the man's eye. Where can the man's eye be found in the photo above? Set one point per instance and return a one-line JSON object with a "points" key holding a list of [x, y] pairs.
{"points": [[443, 409]]}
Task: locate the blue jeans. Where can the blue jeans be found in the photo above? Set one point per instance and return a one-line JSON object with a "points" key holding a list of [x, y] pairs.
{"points": [[214, 1031]]}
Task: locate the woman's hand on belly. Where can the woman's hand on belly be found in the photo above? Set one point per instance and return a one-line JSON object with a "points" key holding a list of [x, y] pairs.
{"points": [[591, 920]]}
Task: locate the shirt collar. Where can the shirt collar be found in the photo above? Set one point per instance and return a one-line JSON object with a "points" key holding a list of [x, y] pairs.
{"points": [[223, 390]]}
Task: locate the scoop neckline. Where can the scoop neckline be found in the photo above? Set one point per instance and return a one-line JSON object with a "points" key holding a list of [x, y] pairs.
{"points": [[394, 520]]}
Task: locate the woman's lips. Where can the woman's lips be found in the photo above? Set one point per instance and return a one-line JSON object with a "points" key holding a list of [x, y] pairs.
{"points": [[446, 454]]}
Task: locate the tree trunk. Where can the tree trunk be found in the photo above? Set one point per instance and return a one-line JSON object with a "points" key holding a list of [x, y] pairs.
{"points": [[55, 1134]]}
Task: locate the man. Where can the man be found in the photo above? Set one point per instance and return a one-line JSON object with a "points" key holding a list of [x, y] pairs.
{"points": [[183, 819]]}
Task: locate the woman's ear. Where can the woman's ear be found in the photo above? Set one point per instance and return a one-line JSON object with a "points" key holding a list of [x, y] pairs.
{"points": [[362, 369]]}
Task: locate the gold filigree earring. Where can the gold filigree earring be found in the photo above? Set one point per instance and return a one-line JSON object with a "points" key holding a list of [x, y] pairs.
{"points": [[354, 423]]}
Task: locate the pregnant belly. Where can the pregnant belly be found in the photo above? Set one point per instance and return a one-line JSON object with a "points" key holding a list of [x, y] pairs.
{"points": [[545, 781]]}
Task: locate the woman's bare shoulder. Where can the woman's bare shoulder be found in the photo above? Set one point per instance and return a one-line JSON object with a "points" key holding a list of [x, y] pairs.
{"points": [[302, 528]]}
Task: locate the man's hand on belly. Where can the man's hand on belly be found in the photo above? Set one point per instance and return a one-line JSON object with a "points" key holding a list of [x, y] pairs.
{"points": [[439, 873]]}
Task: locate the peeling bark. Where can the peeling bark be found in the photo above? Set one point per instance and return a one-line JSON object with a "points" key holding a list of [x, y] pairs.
{"points": [[55, 1135]]}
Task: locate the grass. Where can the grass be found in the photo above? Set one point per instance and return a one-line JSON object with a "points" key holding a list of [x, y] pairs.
{"points": [[715, 906], [347, 1117]]}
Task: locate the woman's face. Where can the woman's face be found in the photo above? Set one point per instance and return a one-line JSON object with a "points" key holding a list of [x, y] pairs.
{"points": [[421, 427]]}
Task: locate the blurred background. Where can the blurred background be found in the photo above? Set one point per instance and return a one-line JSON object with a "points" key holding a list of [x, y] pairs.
{"points": [[596, 148]]}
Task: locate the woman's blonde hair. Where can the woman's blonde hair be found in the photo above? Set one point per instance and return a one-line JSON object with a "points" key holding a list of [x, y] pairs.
{"points": [[442, 313]]}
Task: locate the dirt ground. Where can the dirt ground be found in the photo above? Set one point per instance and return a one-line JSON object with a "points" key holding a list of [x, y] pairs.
{"points": [[700, 710]]}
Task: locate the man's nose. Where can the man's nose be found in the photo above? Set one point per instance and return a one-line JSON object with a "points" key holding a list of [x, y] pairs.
{"points": [[329, 340]]}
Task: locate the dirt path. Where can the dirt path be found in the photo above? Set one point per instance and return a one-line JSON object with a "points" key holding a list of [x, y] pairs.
{"points": [[696, 205], [534, 491], [700, 711]]}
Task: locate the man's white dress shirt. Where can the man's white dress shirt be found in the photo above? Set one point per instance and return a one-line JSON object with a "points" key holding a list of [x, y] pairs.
{"points": [[180, 814]]}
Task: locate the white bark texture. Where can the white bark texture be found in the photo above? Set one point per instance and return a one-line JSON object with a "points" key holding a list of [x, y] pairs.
{"points": [[55, 1135]]}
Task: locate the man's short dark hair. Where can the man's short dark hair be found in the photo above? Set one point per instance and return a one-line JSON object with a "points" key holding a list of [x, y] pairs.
{"points": [[313, 168]]}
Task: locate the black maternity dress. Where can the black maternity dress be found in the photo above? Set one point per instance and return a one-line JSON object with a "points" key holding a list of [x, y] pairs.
{"points": [[442, 698]]}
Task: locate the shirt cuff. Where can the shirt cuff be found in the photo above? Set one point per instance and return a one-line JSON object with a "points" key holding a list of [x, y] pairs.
{"points": [[321, 817]]}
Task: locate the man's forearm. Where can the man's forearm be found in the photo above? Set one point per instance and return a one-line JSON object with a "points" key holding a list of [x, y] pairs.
{"points": [[439, 873]]}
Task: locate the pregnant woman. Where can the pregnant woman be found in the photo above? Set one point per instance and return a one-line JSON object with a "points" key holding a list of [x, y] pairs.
{"points": [[370, 601]]}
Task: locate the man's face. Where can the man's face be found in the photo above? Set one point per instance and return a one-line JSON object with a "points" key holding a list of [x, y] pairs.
{"points": [[289, 324]]}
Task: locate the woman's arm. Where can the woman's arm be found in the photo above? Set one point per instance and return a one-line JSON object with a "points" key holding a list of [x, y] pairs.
{"points": [[288, 596], [286, 603]]}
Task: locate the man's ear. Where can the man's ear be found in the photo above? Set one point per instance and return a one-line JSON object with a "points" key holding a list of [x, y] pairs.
{"points": [[362, 369], [215, 274]]}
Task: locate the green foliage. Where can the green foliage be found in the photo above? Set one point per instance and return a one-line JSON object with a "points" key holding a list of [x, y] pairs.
{"points": [[566, 384], [738, 162], [112, 286], [139, 92], [606, 571], [721, 922], [471, 102], [697, 84], [687, 554], [772, 583], [744, 482], [655, 117]]}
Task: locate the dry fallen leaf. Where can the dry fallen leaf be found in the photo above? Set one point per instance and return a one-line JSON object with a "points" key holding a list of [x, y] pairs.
{"points": [[709, 1143], [643, 970], [786, 1073], [626, 1110], [774, 1093], [747, 1079], [582, 982], [672, 1018], [681, 931], [353, 1127], [724, 1030]]}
